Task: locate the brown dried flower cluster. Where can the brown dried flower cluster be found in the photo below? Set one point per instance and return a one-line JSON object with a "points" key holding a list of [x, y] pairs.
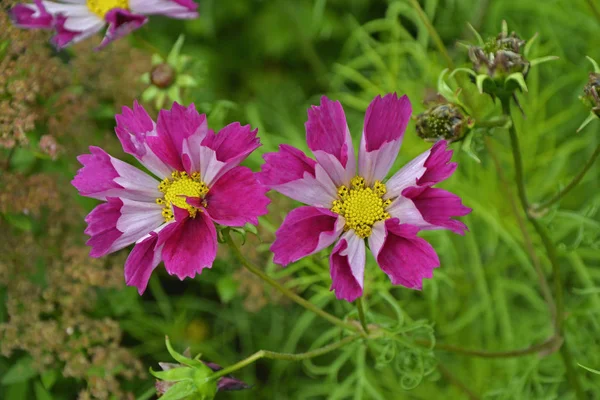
{"points": [[21, 194]]}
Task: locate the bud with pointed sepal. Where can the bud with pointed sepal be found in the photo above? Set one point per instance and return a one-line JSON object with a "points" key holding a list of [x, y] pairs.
{"points": [[591, 95], [443, 120]]}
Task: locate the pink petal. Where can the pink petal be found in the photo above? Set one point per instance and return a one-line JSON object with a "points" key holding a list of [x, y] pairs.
{"points": [[120, 222], [305, 231], [404, 257], [290, 172], [182, 9], [347, 267], [173, 128], [437, 207], [102, 227], [120, 23], [190, 244], [385, 122], [237, 198], [231, 146], [142, 260], [104, 176], [73, 29], [31, 16], [329, 139]]}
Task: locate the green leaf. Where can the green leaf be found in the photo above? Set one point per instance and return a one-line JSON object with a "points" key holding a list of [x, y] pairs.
{"points": [[20, 221], [479, 81], [529, 44], [589, 119], [541, 60], [175, 50], [183, 359], [466, 147], [174, 374], [477, 35], [519, 78], [41, 393], [179, 391], [227, 288], [21, 371], [593, 371], [595, 64], [49, 378]]}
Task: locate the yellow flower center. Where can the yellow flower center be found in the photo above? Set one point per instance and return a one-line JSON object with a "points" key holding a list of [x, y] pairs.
{"points": [[361, 206], [101, 7], [177, 189]]}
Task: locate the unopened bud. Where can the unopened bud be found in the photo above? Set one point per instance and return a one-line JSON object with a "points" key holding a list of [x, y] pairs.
{"points": [[591, 93], [443, 121], [162, 75]]}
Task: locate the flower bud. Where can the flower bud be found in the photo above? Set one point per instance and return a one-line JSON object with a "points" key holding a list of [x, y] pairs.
{"points": [[591, 93], [443, 121], [162, 75]]}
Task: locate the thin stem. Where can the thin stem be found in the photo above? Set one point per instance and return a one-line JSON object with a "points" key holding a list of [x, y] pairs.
{"points": [[285, 291], [536, 348], [546, 292], [450, 377], [595, 10], [571, 185], [434, 35], [361, 314], [283, 356], [550, 250]]}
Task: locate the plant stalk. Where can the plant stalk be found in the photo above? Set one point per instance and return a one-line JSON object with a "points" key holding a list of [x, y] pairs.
{"points": [[283, 356], [361, 314], [285, 291], [571, 185]]}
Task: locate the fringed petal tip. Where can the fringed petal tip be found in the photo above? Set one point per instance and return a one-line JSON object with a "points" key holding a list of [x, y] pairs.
{"points": [[386, 119], [438, 207], [347, 267]]}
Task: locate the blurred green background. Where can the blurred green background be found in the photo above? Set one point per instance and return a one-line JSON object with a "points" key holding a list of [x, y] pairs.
{"points": [[70, 328]]}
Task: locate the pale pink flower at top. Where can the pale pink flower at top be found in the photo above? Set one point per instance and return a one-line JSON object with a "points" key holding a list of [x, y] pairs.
{"points": [[354, 204], [75, 20], [173, 218]]}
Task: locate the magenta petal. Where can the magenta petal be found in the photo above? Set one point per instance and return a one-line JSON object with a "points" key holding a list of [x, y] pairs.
{"points": [[120, 23], [438, 206], [102, 227], [173, 128], [305, 230], [329, 139], [290, 172], [286, 165], [233, 143], [141, 262], [97, 175], [190, 244], [404, 257], [237, 198], [438, 165], [386, 120], [31, 16], [133, 128], [347, 267]]}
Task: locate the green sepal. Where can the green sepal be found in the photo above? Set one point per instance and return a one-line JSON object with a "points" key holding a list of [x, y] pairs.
{"points": [[175, 51], [518, 78], [180, 390], [174, 374], [589, 119], [541, 60], [594, 63], [157, 59], [466, 147], [479, 80], [183, 359], [477, 35]]}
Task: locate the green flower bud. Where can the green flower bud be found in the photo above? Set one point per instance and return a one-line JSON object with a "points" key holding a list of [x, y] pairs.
{"points": [[167, 79], [191, 378], [162, 75], [443, 121], [501, 64]]}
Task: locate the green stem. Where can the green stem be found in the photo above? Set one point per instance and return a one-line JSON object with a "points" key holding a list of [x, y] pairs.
{"points": [[361, 314], [536, 348], [550, 250], [571, 185], [285, 291], [434, 35], [283, 356]]}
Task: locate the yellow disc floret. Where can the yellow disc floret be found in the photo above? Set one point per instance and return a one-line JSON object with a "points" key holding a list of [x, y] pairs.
{"points": [[101, 7], [361, 206], [177, 189]]}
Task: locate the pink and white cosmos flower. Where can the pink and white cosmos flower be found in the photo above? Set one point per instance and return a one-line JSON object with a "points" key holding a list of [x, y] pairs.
{"points": [[75, 20], [351, 204], [171, 218]]}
